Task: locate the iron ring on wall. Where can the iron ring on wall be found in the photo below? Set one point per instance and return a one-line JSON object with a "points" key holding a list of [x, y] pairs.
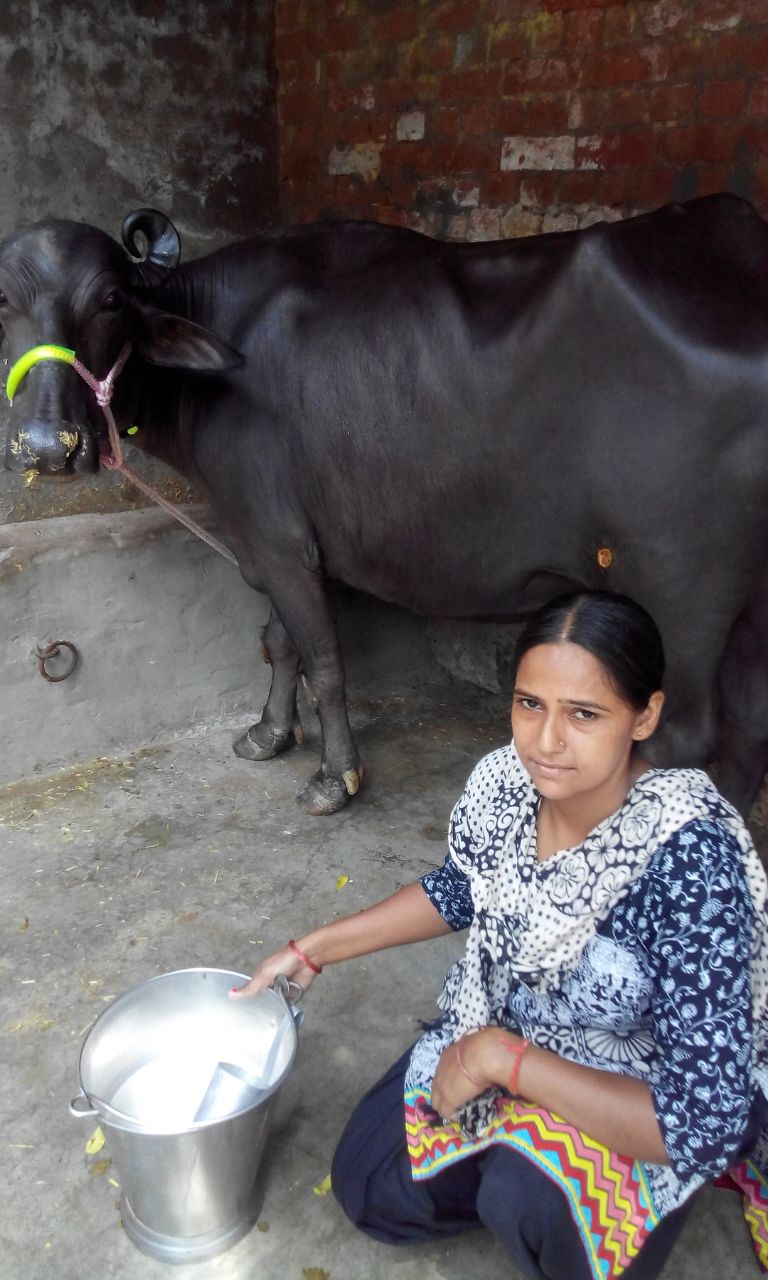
{"points": [[50, 651]]}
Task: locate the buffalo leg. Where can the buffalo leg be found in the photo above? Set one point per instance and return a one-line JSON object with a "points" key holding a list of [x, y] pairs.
{"points": [[305, 630], [687, 734], [305, 613], [743, 685], [279, 727]]}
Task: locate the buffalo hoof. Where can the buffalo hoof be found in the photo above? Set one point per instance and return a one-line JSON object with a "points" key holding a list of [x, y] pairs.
{"points": [[324, 794], [262, 743]]}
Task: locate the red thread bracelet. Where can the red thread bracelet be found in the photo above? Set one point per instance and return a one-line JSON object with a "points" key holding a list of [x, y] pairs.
{"points": [[297, 951], [477, 1083], [519, 1051]]}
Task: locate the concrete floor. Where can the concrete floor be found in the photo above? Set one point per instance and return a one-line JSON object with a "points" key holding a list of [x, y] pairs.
{"points": [[180, 855]]}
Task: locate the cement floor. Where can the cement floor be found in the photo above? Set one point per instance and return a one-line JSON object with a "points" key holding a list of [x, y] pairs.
{"points": [[181, 855]]}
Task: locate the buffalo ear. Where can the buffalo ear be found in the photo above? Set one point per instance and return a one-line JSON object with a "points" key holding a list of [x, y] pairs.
{"points": [[177, 343]]}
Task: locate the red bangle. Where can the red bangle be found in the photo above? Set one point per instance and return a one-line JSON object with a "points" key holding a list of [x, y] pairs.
{"points": [[477, 1083], [297, 951], [518, 1049]]}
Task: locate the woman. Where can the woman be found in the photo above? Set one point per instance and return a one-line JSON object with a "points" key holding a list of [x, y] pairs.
{"points": [[601, 1049]]}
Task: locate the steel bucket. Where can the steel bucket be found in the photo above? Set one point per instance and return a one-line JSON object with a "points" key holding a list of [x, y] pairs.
{"points": [[184, 1081]]}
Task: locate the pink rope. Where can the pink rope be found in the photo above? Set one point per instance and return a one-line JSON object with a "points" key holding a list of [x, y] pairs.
{"points": [[103, 391]]}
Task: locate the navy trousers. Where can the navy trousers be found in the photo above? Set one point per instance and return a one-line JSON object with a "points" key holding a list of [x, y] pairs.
{"points": [[498, 1189]]}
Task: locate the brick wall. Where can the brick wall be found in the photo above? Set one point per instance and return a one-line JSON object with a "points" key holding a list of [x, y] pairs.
{"points": [[504, 117]]}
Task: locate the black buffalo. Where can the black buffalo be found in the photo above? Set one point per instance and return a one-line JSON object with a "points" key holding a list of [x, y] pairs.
{"points": [[464, 429]]}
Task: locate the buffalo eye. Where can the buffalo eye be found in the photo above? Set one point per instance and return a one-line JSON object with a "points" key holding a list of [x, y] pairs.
{"points": [[111, 301], [3, 299]]}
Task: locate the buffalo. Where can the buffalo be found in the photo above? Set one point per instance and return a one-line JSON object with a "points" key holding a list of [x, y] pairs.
{"points": [[462, 429]]}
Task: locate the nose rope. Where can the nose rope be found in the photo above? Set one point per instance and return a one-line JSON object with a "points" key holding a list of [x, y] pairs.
{"points": [[103, 389]]}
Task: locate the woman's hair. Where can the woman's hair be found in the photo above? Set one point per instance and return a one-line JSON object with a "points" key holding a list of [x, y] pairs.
{"points": [[614, 629]]}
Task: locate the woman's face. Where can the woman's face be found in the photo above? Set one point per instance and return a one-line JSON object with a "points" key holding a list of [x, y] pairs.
{"points": [[573, 732]]}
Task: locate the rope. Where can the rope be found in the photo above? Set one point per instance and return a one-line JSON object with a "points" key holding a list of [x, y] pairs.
{"points": [[103, 391], [119, 464]]}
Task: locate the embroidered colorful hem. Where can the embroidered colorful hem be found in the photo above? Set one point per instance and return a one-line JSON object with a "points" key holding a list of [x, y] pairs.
{"points": [[608, 1194], [747, 1179]]}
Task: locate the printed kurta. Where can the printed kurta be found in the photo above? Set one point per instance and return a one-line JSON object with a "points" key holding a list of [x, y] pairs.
{"points": [[642, 951]]}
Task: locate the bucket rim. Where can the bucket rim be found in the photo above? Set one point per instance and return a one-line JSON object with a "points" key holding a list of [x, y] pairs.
{"points": [[111, 1116]]}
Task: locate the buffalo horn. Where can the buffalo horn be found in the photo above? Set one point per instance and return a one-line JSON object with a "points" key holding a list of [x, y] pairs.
{"points": [[163, 244]]}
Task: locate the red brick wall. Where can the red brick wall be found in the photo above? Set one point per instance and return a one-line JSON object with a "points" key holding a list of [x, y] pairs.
{"points": [[492, 118]]}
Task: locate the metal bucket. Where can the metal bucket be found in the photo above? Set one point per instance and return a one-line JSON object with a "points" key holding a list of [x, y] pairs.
{"points": [[184, 1080]]}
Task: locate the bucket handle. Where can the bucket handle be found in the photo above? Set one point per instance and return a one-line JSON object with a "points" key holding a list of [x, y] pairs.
{"points": [[79, 1111], [290, 993]]}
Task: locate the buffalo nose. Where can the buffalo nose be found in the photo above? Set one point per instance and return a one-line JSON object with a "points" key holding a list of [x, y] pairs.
{"points": [[46, 447]]}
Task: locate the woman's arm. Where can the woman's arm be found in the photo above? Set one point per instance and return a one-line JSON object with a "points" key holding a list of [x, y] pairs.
{"points": [[406, 916], [614, 1109]]}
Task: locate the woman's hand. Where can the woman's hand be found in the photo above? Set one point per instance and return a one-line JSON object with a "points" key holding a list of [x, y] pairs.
{"points": [[284, 961], [617, 1110], [460, 1073], [406, 916]]}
